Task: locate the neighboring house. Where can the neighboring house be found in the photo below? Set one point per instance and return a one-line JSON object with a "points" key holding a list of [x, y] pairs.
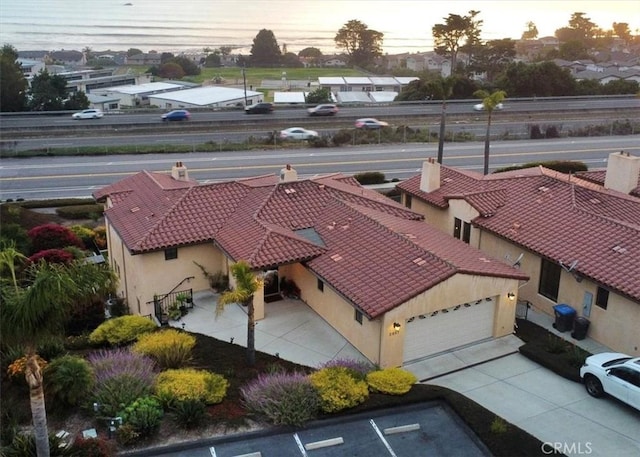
{"points": [[579, 242], [68, 58], [334, 61], [136, 95], [206, 97], [144, 59], [394, 287], [30, 68]]}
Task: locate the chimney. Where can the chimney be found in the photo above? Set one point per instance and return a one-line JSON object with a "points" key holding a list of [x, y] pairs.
{"points": [[179, 172], [623, 170], [288, 174], [430, 178]]}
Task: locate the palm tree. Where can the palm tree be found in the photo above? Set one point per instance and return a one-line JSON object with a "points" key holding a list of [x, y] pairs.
{"points": [[247, 284], [490, 102], [38, 306]]}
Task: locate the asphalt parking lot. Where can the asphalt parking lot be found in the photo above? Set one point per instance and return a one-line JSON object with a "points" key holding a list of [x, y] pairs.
{"points": [[423, 429]]}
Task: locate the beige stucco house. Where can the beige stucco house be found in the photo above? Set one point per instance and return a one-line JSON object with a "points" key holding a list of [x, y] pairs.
{"points": [[577, 240], [394, 287]]}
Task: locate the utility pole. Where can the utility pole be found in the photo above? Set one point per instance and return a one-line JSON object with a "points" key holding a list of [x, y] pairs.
{"points": [[244, 81]]}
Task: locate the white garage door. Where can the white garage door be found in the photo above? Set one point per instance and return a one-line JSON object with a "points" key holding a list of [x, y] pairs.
{"points": [[448, 329]]}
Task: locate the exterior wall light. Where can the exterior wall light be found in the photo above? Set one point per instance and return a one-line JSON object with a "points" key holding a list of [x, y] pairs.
{"points": [[396, 326], [511, 296]]}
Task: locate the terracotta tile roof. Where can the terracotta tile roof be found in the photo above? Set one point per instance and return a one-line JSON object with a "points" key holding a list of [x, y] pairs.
{"points": [[373, 251], [556, 216], [598, 177]]}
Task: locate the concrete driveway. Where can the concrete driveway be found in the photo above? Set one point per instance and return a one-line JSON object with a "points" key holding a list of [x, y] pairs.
{"points": [[557, 411]]}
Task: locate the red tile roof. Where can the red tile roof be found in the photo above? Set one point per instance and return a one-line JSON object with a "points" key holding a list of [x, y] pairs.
{"points": [[370, 249], [559, 217], [598, 177]]}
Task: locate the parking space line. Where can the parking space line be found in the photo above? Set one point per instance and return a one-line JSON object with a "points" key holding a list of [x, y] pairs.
{"points": [[401, 429], [212, 450], [251, 454], [300, 445], [384, 441]]}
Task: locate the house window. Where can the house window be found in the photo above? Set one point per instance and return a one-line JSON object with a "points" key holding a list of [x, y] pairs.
{"points": [[358, 317], [549, 279], [602, 298], [457, 228], [407, 201], [171, 253], [466, 232], [320, 285]]}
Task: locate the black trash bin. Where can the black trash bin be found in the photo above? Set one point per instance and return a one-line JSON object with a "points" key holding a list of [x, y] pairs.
{"points": [[565, 315], [580, 327]]}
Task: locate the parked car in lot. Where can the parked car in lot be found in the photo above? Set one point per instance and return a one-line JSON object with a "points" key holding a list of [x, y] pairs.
{"points": [[323, 110], [369, 123], [176, 115], [88, 114], [480, 107], [615, 374], [297, 133], [259, 108]]}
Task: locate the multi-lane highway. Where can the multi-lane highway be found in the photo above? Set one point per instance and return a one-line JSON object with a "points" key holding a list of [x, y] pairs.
{"points": [[57, 177]]}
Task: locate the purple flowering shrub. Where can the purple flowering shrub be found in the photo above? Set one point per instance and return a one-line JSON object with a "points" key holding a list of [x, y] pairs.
{"points": [[282, 398], [357, 368], [121, 377]]}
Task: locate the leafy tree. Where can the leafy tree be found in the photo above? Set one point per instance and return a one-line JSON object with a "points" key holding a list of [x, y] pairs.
{"points": [[13, 84], [47, 92], [531, 33], [35, 307], [545, 79], [320, 95], [77, 101], [494, 57], [490, 102], [362, 45], [291, 60], [187, 65], [621, 87], [621, 29], [171, 70], [573, 50], [265, 51], [166, 57], [588, 87], [247, 284], [133, 52], [213, 61], [580, 29], [449, 36], [443, 88], [312, 52]]}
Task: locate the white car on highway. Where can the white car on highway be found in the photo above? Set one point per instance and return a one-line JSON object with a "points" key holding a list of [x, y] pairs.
{"points": [[298, 133], [88, 114], [615, 374], [480, 107]]}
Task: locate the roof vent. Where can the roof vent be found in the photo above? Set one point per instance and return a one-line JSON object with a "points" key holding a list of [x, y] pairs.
{"points": [[336, 257], [135, 209], [620, 250], [485, 260], [289, 191], [543, 189], [419, 261], [595, 201]]}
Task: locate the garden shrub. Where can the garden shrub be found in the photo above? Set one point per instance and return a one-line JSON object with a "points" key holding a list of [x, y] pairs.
{"points": [[169, 348], [369, 177], [338, 389], [357, 368], [51, 347], [93, 447], [24, 445], [52, 236], [190, 384], [342, 137], [53, 256], [85, 234], [90, 211], [121, 376], [555, 345], [100, 237], [189, 414], [69, 380], [144, 415], [122, 330], [283, 398], [127, 435], [393, 381], [499, 426]]}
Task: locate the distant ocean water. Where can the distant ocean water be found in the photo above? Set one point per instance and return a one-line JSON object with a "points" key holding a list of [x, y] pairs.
{"points": [[176, 25]]}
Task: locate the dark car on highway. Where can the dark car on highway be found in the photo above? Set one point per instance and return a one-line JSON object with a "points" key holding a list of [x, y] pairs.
{"points": [[259, 108], [176, 115]]}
